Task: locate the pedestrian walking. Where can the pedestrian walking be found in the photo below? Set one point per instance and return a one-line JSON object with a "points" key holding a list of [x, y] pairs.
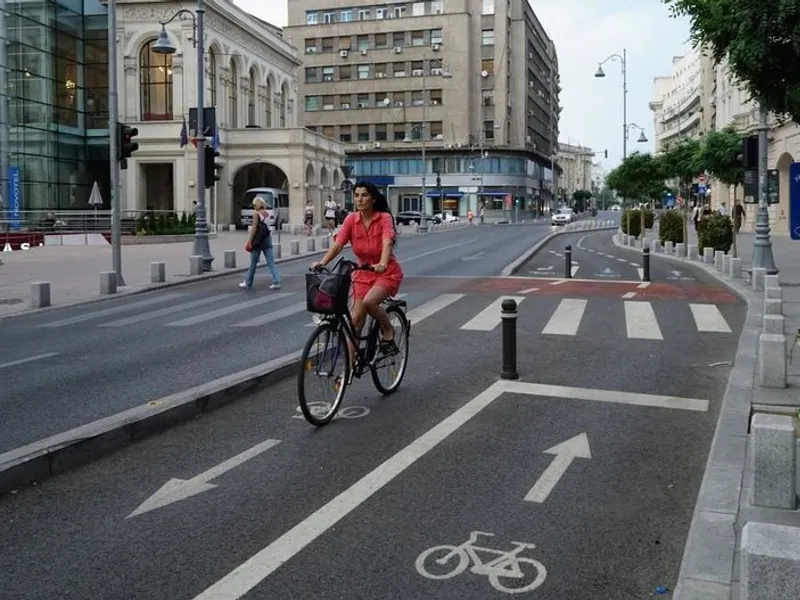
{"points": [[260, 241], [308, 219]]}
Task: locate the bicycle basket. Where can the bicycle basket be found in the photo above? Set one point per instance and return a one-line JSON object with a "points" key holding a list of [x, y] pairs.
{"points": [[327, 294]]}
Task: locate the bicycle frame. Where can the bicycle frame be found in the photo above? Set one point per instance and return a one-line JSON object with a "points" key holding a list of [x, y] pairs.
{"points": [[505, 561]]}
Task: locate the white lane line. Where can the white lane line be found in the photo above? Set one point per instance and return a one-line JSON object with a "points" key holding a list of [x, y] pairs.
{"points": [[274, 316], [707, 317], [111, 311], [643, 285], [23, 361], [559, 281], [566, 319], [166, 311], [622, 260], [529, 290], [640, 271], [437, 251], [629, 295], [228, 310], [489, 317], [640, 321], [261, 565], [430, 308]]}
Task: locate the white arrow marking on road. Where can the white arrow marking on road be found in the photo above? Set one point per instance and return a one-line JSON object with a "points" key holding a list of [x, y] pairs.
{"points": [[476, 256], [676, 273], [566, 452], [641, 273], [550, 268], [574, 269], [176, 490]]}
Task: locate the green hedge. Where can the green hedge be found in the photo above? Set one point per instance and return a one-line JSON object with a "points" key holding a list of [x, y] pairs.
{"points": [[715, 231], [165, 224], [670, 227], [636, 221]]}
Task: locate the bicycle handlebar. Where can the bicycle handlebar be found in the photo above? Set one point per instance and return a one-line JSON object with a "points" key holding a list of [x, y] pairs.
{"points": [[356, 267]]}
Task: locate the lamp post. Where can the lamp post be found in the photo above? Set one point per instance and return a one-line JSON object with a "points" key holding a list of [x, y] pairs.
{"points": [[163, 45], [113, 151], [762, 246]]}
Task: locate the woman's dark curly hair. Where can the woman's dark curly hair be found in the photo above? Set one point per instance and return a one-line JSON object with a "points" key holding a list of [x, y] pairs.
{"points": [[379, 200]]}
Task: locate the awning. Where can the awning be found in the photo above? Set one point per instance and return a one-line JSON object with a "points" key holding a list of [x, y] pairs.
{"points": [[446, 192], [493, 193]]}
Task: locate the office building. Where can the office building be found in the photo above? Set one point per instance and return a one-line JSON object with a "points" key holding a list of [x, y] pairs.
{"points": [[470, 85], [576, 170]]}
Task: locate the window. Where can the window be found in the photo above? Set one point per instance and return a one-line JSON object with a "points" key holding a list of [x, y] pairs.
{"points": [[251, 99], [345, 72], [487, 37], [417, 38], [233, 96], [380, 70], [436, 66], [346, 16], [155, 72], [488, 98], [345, 42], [487, 64], [435, 128], [399, 11], [416, 130], [211, 75], [311, 46], [399, 98], [327, 73], [363, 71], [345, 102], [399, 39], [488, 130], [417, 68], [363, 101], [399, 69], [363, 42], [312, 103], [268, 104], [381, 41], [363, 133], [437, 7], [345, 137], [417, 9], [327, 103], [417, 99], [488, 7], [380, 132], [436, 97], [363, 14], [312, 18], [399, 134], [329, 131], [327, 18], [381, 13], [312, 75], [327, 44], [436, 36], [385, 102]]}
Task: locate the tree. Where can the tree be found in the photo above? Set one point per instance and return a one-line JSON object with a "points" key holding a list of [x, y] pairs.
{"points": [[759, 40], [581, 197], [720, 155], [683, 161], [637, 177]]}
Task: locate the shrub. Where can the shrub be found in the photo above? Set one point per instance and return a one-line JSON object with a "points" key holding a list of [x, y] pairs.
{"points": [[165, 224], [649, 218], [715, 231], [670, 228], [634, 227]]}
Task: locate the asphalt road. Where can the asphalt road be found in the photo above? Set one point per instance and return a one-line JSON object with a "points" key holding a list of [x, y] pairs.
{"points": [[100, 359], [346, 511]]}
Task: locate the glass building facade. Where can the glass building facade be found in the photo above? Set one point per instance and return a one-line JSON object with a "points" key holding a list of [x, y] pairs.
{"points": [[54, 110]]}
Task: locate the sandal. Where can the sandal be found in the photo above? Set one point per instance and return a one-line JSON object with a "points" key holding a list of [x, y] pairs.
{"points": [[388, 347]]}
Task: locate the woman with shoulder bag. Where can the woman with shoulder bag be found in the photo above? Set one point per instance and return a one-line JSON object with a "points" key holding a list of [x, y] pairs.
{"points": [[260, 240]]}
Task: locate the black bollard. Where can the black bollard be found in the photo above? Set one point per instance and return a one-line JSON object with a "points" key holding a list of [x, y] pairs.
{"points": [[568, 262], [646, 264], [508, 311]]}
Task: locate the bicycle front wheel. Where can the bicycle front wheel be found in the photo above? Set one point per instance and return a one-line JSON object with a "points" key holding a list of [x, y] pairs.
{"points": [[324, 374], [388, 371]]}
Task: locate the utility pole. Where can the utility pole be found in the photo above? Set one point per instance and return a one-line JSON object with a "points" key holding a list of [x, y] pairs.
{"points": [[762, 246], [113, 140]]}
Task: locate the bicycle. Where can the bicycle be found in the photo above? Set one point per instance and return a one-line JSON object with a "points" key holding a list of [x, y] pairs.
{"points": [[329, 297]]}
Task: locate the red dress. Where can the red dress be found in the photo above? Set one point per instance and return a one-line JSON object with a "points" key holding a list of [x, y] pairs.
{"points": [[367, 245]]}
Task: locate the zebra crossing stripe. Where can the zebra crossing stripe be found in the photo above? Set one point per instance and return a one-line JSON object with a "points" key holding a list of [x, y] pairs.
{"points": [[566, 319], [227, 310], [489, 317], [430, 308], [111, 311], [707, 317], [166, 311], [287, 311], [641, 322]]}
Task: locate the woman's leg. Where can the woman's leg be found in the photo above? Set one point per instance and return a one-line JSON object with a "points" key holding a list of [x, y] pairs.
{"points": [[251, 272], [270, 258], [372, 306], [358, 315]]}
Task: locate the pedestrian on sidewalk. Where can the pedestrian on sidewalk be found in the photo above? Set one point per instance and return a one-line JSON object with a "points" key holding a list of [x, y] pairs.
{"points": [[330, 214], [738, 216], [260, 240], [308, 219]]}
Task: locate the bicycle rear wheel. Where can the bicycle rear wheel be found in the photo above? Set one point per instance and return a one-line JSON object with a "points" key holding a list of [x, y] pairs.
{"points": [[326, 367], [393, 366]]}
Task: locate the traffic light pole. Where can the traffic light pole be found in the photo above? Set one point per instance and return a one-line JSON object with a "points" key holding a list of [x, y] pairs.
{"points": [[113, 141], [201, 247]]}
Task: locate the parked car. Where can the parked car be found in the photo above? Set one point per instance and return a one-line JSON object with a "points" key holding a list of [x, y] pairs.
{"points": [[407, 217], [562, 216]]}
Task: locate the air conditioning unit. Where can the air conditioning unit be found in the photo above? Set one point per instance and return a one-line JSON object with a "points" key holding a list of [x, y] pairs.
{"points": [[362, 147], [327, 78], [376, 145], [484, 74], [438, 136], [417, 73], [436, 71], [398, 50], [448, 146], [363, 105], [343, 53], [345, 106], [363, 52], [457, 145], [311, 50], [380, 75], [531, 84], [398, 103], [435, 47], [434, 103]]}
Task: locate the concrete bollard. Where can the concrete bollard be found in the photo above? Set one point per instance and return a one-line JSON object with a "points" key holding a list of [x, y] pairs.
{"points": [[311, 244], [757, 278], [773, 324], [718, 259], [771, 281], [316, 231], [693, 252], [326, 242], [158, 272], [195, 265], [40, 294], [726, 264], [772, 360], [773, 294], [774, 461], [736, 268], [230, 259], [276, 251], [108, 282], [232, 228], [708, 255], [669, 247], [680, 249], [294, 247], [657, 246], [773, 307], [769, 566]]}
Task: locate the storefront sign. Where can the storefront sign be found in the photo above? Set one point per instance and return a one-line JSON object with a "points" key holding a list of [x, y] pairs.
{"points": [[794, 201], [11, 242], [15, 201]]}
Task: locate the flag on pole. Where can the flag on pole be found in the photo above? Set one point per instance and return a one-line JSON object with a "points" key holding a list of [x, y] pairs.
{"points": [[184, 134], [215, 142]]}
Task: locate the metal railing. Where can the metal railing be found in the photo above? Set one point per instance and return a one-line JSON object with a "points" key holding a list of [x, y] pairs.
{"points": [[78, 222]]}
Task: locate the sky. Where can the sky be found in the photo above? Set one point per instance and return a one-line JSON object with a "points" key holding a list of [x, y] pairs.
{"points": [[586, 32]]}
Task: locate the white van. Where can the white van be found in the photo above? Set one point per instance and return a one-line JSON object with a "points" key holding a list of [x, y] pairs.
{"points": [[277, 205]]}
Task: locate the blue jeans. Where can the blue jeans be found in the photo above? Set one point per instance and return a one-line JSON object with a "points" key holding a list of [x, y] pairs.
{"points": [[266, 248]]}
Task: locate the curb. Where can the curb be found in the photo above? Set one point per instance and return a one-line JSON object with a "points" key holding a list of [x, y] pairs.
{"points": [[65, 451], [707, 567], [512, 268]]}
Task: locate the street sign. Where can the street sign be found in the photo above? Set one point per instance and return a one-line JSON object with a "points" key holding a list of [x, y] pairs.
{"points": [[15, 202], [794, 201]]}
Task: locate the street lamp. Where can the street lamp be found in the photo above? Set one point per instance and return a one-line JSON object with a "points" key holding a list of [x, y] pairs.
{"points": [[642, 137], [163, 45]]}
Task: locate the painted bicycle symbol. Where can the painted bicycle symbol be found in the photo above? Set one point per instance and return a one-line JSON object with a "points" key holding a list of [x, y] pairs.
{"points": [[507, 565], [322, 409]]}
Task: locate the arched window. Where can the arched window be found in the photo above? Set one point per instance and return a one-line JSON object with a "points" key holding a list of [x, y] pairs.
{"points": [[211, 78], [233, 96], [268, 104], [251, 98], [155, 77], [284, 102]]}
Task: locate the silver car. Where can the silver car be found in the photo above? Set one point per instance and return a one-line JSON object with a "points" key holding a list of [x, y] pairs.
{"points": [[562, 216]]}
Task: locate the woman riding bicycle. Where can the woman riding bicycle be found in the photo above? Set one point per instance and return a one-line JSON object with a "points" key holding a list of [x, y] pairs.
{"points": [[371, 232]]}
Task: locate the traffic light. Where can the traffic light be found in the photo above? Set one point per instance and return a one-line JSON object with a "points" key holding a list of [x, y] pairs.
{"points": [[606, 153], [211, 166], [125, 144]]}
